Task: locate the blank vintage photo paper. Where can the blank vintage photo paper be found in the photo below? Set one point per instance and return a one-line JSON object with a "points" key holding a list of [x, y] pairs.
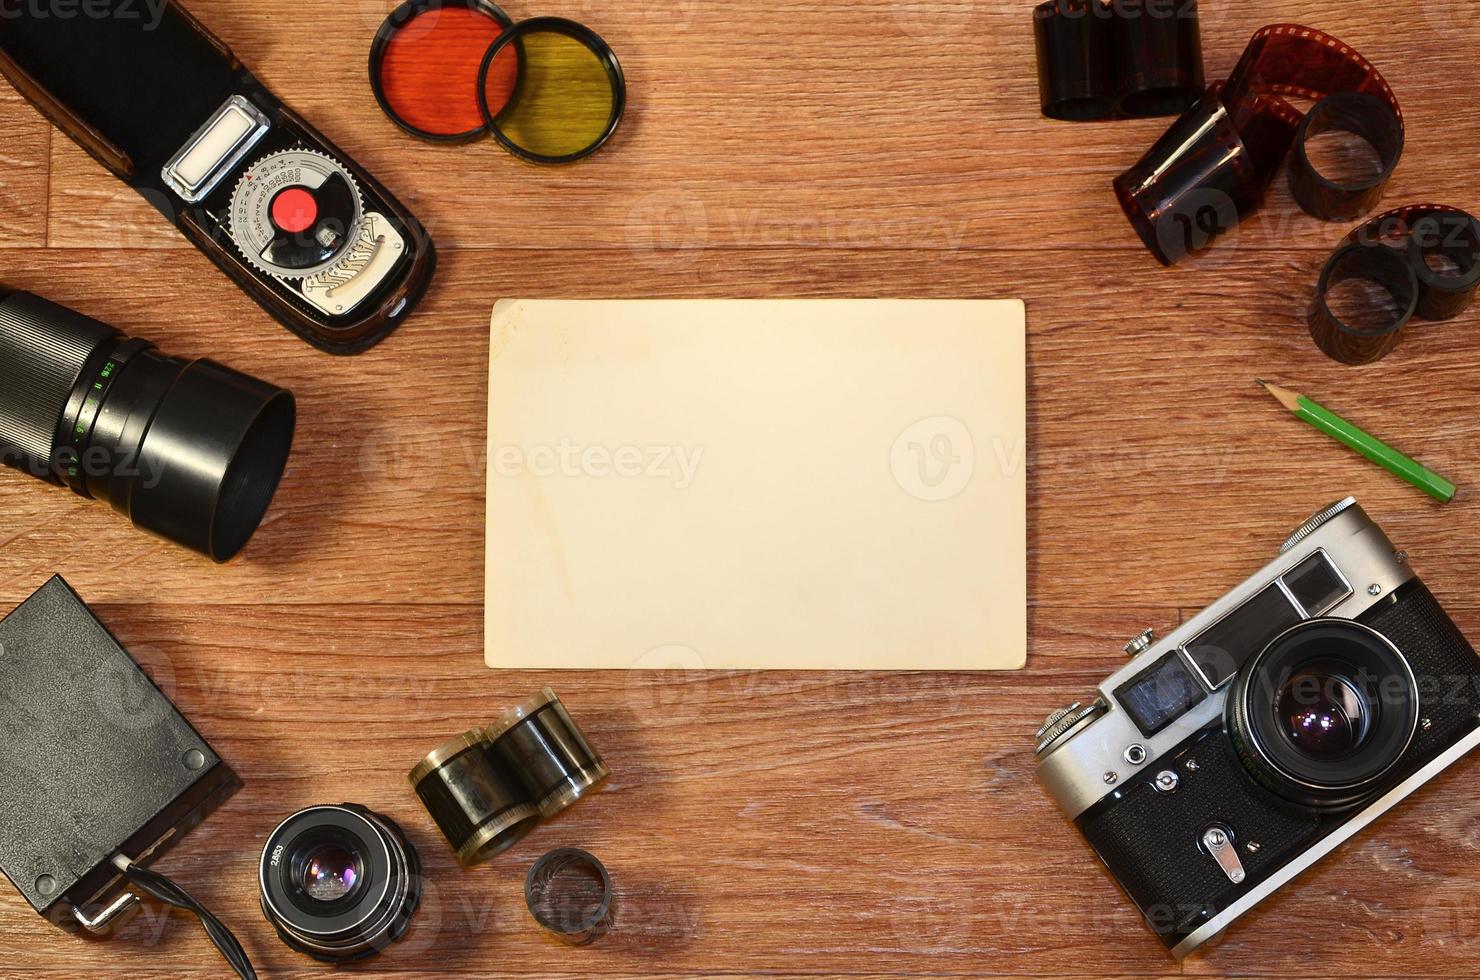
{"points": [[756, 484]]}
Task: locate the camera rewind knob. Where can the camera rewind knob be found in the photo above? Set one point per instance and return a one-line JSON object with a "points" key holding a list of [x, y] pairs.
{"points": [[1140, 644], [1065, 720], [1317, 522]]}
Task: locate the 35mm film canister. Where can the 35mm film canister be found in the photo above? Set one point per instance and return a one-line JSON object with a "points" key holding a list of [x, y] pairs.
{"points": [[1360, 114], [1128, 59], [1375, 338], [481, 807], [1076, 62], [540, 742], [569, 893], [1159, 61]]}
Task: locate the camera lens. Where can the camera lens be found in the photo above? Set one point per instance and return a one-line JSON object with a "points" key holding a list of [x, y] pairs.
{"points": [[339, 883], [190, 450], [1324, 713]]}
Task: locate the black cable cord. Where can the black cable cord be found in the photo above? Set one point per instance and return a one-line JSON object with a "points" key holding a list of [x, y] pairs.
{"points": [[170, 893]]}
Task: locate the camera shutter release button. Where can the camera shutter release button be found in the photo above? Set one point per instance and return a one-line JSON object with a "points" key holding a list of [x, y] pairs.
{"points": [[294, 210]]}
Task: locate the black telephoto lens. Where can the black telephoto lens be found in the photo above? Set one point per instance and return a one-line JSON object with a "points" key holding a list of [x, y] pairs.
{"points": [[190, 450], [339, 883]]}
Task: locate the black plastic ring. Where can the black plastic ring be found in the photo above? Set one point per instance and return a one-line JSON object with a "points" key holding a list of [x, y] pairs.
{"points": [[1386, 266], [1454, 235], [394, 24], [577, 32], [1361, 114], [556, 912]]}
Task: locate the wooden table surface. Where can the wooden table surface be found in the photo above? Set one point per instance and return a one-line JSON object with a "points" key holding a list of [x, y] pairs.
{"points": [[769, 824]]}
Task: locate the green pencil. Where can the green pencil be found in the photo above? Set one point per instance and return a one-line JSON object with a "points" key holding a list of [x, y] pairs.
{"points": [[1373, 448]]}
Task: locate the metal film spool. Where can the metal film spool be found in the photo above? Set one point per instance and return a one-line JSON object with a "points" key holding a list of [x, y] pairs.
{"points": [[542, 743], [561, 910], [481, 807]]}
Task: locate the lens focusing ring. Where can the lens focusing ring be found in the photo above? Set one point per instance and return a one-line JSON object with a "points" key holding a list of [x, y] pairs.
{"points": [[44, 349], [374, 913], [1357, 657]]}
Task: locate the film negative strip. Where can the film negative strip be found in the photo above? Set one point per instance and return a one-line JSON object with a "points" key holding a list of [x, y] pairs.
{"points": [[1124, 59], [1215, 164], [1426, 260]]}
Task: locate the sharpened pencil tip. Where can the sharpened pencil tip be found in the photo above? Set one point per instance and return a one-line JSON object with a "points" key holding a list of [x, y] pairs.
{"points": [[1261, 382]]}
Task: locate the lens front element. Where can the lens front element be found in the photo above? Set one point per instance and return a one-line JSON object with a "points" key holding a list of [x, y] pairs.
{"points": [[330, 873], [1324, 713]]}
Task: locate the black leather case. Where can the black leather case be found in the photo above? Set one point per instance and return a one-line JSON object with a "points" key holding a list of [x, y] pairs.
{"points": [[133, 82]]}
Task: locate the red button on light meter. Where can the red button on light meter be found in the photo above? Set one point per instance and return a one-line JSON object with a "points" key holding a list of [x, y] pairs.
{"points": [[294, 210]]}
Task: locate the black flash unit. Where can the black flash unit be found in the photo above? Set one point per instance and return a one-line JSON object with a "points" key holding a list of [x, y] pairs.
{"points": [[97, 768]]}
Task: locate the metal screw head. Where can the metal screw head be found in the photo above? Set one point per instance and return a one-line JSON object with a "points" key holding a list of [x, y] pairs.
{"points": [[1374, 590], [1190, 765], [46, 884], [1111, 779], [1428, 724], [1401, 557], [1216, 838], [1167, 781], [1252, 847], [194, 759]]}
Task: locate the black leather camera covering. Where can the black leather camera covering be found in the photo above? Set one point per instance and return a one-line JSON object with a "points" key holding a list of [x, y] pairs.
{"points": [[1149, 840]]}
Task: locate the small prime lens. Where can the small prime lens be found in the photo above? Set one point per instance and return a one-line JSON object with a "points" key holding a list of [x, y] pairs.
{"points": [[1324, 713], [190, 450], [339, 883]]}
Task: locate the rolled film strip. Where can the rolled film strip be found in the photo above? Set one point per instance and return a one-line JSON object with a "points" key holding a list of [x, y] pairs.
{"points": [[1215, 164], [488, 788], [541, 742], [1424, 257], [1126, 59], [480, 805]]}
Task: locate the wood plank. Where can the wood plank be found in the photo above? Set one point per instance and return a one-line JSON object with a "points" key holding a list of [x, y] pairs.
{"points": [[25, 165]]}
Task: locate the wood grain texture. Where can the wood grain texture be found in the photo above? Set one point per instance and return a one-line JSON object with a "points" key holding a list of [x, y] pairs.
{"points": [[786, 825]]}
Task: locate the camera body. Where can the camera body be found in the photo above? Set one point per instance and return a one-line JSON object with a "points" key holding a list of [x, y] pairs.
{"points": [[1228, 757]]}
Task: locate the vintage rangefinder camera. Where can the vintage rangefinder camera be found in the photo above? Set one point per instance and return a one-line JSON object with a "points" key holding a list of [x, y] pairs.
{"points": [[1227, 758]]}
